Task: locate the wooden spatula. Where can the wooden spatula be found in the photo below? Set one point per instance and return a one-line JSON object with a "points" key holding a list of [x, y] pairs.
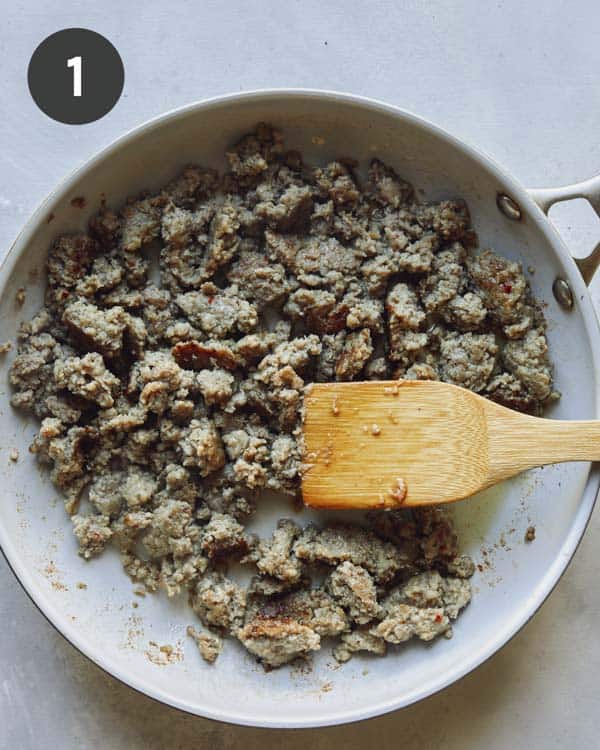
{"points": [[388, 444]]}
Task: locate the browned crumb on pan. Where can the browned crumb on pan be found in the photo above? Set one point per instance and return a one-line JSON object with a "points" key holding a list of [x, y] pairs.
{"points": [[530, 534], [163, 655], [209, 645], [399, 491]]}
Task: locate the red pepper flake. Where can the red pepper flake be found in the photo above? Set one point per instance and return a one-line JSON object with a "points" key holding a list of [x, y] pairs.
{"points": [[438, 618], [211, 300], [507, 288]]}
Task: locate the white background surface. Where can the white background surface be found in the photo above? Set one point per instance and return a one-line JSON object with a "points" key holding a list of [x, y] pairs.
{"points": [[518, 79]]}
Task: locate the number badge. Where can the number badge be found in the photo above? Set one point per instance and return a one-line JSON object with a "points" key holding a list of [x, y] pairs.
{"points": [[76, 76]]}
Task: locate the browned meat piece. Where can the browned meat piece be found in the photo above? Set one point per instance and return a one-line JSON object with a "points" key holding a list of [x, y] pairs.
{"points": [[344, 542], [505, 292], [252, 155], [468, 359], [405, 317], [354, 590], [196, 355], [288, 211], [388, 189], [219, 602], [356, 641], [201, 447], [507, 390], [528, 361], [274, 557], [355, 354], [318, 309], [446, 280], [276, 641], [193, 184], [258, 280], [336, 182], [450, 220], [69, 260], [223, 537], [140, 223], [217, 314], [104, 331]]}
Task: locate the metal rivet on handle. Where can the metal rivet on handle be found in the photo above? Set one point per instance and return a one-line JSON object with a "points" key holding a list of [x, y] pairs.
{"points": [[562, 293], [509, 207]]}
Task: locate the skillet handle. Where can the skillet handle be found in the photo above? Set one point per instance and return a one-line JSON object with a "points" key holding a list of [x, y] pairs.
{"points": [[588, 189]]}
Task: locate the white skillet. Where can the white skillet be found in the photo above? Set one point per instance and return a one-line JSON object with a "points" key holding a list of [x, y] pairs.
{"points": [[100, 620]]}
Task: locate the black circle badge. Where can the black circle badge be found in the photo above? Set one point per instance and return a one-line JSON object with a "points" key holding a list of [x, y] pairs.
{"points": [[76, 76]]}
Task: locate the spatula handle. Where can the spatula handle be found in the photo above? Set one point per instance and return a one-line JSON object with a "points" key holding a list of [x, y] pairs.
{"points": [[530, 441]]}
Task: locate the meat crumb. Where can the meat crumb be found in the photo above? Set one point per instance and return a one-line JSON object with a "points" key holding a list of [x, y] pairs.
{"points": [[5, 347], [399, 491], [209, 645], [530, 534], [163, 655], [14, 455], [20, 296]]}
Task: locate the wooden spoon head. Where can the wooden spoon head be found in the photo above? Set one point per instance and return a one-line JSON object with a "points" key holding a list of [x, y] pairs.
{"points": [[388, 444]]}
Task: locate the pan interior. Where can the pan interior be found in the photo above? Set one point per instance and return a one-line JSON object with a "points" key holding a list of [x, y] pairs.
{"points": [[513, 576]]}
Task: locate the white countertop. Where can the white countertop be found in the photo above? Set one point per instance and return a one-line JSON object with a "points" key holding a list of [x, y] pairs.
{"points": [[518, 79]]}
